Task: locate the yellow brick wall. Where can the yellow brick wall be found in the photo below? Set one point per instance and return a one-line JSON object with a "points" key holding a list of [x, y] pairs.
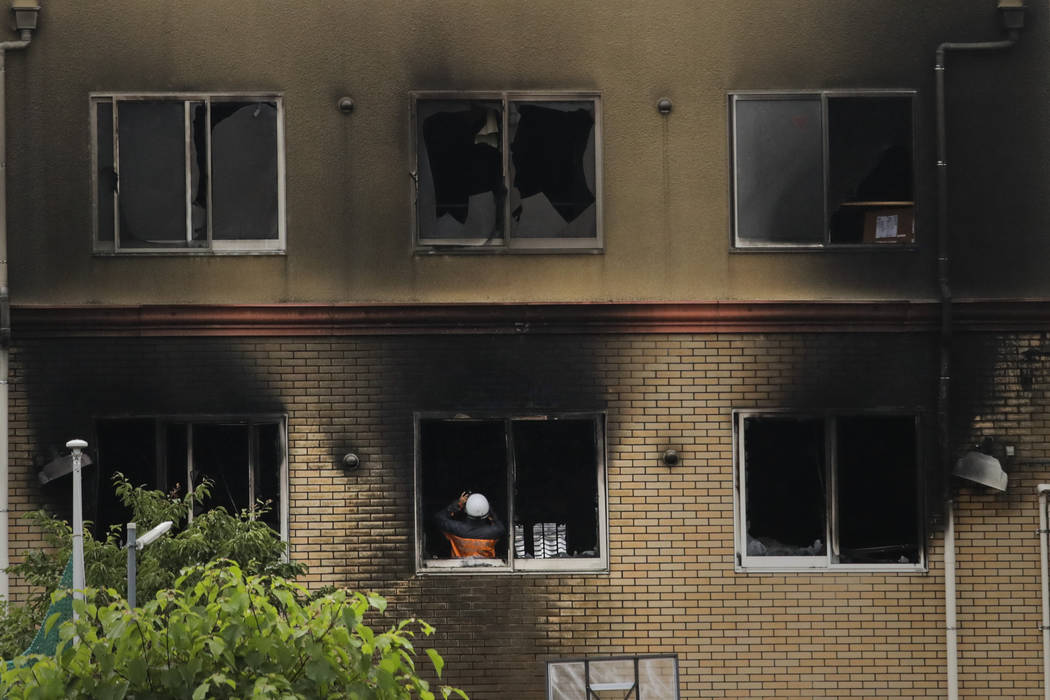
{"points": [[672, 587]]}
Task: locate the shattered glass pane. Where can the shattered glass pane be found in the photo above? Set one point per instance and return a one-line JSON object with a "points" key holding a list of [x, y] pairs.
{"points": [[556, 490], [152, 173], [460, 186], [869, 163], [244, 170], [106, 177], [878, 496], [552, 152], [199, 171], [786, 482], [778, 149]]}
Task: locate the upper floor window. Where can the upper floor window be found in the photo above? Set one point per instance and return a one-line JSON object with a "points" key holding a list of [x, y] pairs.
{"points": [[507, 171], [543, 477], [822, 170], [828, 491], [188, 173]]}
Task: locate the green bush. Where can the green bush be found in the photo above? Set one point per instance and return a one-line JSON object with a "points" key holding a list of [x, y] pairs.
{"points": [[211, 535], [221, 633]]}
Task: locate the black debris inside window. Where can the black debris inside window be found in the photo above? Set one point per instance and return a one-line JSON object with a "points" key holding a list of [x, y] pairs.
{"points": [[870, 195], [152, 173], [106, 176], [555, 492], [460, 188], [221, 453], [244, 170], [127, 446], [552, 170], [779, 171], [457, 456], [198, 171], [786, 486], [267, 473], [878, 498]]}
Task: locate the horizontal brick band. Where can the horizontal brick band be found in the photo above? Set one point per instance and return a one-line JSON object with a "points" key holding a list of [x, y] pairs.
{"points": [[571, 317]]}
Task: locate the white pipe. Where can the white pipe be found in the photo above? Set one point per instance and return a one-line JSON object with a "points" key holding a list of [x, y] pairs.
{"points": [[1044, 585], [77, 446], [949, 604], [4, 349]]}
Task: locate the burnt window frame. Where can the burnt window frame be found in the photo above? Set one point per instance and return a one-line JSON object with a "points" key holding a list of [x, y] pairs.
{"points": [[827, 561], [513, 564], [207, 246], [824, 96], [162, 421], [507, 243]]}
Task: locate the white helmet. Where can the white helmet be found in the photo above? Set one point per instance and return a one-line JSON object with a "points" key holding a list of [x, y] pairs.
{"points": [[477, 506]]}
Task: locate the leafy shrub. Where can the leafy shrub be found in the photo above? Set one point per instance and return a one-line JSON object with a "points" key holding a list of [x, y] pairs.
{"points": [[223, 634], [18, 625]]}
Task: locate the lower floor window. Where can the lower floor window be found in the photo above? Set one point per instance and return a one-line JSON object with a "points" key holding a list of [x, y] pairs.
{"points": [[543, 480], [647, 677], [244, 458], [824, 491]]}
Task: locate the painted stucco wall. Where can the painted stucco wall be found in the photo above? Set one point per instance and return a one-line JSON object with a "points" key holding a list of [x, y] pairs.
{"points": [[666, 202]]}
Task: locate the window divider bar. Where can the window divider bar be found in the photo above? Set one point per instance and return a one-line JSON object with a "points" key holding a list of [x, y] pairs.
{"points": [[512, 474], [187, 130], [209, 194]]}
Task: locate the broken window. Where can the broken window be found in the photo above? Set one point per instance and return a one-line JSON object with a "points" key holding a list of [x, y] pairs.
{"points": [[507, 171], [543, 477], [243, 458], [823, 169], [179, 173], [819, 491]]}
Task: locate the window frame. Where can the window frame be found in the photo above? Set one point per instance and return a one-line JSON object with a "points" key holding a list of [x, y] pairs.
{"points": [[161, 421], [513, 565], [744, 563], [210, 246], [508, 243], [736, 96], [632, 658]]}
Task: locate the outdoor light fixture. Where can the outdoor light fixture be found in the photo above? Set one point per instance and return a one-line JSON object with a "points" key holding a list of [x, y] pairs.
{"points": [[670, 458], [351, 462], [982, 469], [133, 546], [1011, 13], [25, 12]]}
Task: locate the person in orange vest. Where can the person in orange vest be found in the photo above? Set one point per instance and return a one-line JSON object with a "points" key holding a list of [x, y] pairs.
{"points": [[470, 526]]}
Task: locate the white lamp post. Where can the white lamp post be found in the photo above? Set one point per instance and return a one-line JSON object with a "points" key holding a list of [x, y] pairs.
{"points": [[77, 447]]}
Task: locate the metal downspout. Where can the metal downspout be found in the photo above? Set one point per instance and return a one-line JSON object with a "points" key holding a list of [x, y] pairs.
{"points": [[5, 315], [1044, 585], [945, 347]]}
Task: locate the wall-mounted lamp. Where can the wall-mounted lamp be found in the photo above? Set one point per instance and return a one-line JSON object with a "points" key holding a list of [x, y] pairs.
{"points": [[26, 12], [345, 104], [664, 106], [351, 462], [670, 458], [1011, 14]]}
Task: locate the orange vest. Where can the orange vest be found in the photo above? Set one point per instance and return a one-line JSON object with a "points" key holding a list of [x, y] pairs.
{"points": [[466, 547]]}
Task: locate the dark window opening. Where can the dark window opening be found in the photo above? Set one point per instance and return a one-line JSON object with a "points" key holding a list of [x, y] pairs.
{"points": [[813, 170], [243, 459], [842, 488], [244, 170], [540, 476]]}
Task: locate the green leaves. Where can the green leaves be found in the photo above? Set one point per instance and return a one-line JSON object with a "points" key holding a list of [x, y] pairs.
{"points": [[224, 633]]}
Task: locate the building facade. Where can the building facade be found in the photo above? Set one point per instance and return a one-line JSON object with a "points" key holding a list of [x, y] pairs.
{"points": [[663, 281]]}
